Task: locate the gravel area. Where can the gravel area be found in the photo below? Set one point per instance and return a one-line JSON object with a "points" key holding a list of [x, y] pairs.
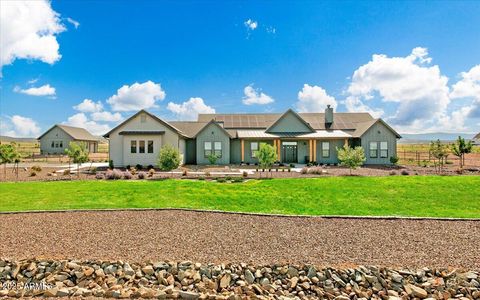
{"points": [[219, 238]]}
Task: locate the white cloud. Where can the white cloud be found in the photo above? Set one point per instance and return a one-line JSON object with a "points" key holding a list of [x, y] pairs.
{"points": [[251, 24], [469, 87], [314, 99], [73, 22], [255, 96], [137, 96], [106, 116], [420, 91], [44, 90], [190, 109], [90, 106], [28, 30], [19, 126], [81, 120]]}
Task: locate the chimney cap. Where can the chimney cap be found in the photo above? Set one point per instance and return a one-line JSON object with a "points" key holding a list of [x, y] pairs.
{"points": [[328, 105]]}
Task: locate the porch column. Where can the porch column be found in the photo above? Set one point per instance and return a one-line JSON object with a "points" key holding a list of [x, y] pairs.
{"points": [[314, 142], [242, 146], [310, 150], [279, 150], [346, 142]]}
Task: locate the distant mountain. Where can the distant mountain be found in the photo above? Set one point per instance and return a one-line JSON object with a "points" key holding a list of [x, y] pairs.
{"points": [[10, 139], [409, 138]]}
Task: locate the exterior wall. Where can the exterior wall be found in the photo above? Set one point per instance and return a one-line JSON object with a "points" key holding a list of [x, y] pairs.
{"points": [[302, 151], [212, 133], [55, 135], [191, 152], [379, 133], [119, 145], [333, 158], [248, 150], [235, 151], [290, 123]]}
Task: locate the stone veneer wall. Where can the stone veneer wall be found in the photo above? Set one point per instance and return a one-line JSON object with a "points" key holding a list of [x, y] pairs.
{"points": [[187, 280]]}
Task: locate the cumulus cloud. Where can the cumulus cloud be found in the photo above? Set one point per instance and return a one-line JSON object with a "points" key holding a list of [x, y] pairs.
{"points": [[44, 90], [190, 109], [81, 120], [314, 99], [106, 116], [251, 24], [19, 126], [136, 96], [469, 87], [420, 91], [29, 30], [89, 106], [255, 96]]}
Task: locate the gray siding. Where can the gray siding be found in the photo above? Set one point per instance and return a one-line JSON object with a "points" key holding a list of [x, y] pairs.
{"points": [[379, 133], [213, 133], [333, 158], [248, 150], [302, 151], [290, 123]]}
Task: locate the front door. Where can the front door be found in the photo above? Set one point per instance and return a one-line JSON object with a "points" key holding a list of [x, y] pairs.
{"points": [[289, 152]]}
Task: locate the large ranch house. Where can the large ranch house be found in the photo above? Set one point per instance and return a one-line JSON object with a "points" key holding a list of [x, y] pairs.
{"points": [[298, 137]]}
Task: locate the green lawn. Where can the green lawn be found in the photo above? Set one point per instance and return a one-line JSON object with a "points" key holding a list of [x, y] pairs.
{"points": [[426, 196]]}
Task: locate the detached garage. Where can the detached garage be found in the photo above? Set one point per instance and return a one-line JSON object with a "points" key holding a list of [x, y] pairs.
{"points": [[56, 139]]}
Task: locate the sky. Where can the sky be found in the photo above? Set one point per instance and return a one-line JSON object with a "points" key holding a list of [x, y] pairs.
{"points": [[415, 64]]}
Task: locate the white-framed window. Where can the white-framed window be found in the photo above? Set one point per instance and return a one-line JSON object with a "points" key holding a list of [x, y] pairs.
{"points": [[325, 149], [373, 149], [383, 149], [141, 146], [207, 149], [254, 149], [218, 149], [150, 146], [133, 146]]}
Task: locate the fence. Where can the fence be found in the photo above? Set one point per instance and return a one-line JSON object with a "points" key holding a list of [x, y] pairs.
{"points": [[424, 157]]}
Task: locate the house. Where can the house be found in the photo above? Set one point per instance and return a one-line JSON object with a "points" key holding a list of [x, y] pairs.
{"points": [[234, 138], [476, 139], [56, 139]]}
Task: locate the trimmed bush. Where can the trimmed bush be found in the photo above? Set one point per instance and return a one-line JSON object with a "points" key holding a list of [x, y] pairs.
{"points": [[185, 173], [113, 174], [142, 175], [221, 179], [151, 172], [33, 173], [245, 174], [132, 170], [110, 165], [304, 170], [392, 173], [237, 179], [201, 178], [149, 167], [139, 167]]}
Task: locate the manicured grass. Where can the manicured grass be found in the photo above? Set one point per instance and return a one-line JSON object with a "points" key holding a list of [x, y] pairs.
{"points": [[425, 196]]}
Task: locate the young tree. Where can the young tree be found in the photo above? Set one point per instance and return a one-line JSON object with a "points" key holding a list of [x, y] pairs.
{"points": [[351, 157], [460, 148], [439, 152], [266, 155], [169, 158], [8, 154], [77, 152]]}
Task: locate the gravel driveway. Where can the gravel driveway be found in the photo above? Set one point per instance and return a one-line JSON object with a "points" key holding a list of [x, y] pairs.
{"points": [[217, 237]]}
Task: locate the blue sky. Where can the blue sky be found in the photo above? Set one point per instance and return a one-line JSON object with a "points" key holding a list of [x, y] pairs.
{"points": [[180, 58]]}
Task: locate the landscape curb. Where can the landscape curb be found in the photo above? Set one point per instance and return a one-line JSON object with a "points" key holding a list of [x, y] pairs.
{"points": [[242, 213]]}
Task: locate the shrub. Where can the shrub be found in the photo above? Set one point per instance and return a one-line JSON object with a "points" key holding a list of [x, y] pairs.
{"points": [[304, 170], [201, 178], [99, 176], [212, 159], [266, 155], [142, 175], [289, 170], [127, 167], [132, 170], [351, 157], [394, 160], [33, 173], [245, 174], [168, 158], [77, 152], [36, 168], [139, 167], [237, 179], [221, 179], [93, 170], [392, 173], [110, 165], [228, 178], [66, 172], [184, 173], [207, 174], [127, 175], [113, 174], [405, 172], [291, 165]]}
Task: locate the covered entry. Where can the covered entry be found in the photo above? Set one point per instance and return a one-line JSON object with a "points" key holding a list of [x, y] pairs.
{"points": [[289, 152]]}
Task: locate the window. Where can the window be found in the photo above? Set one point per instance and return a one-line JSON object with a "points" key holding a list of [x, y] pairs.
{"points": [[325, 149], [373, 149], [53, 144], [61, 144], [150, 146], [56, 144], [133, 146], [383, 149], [254, 148], [207, 149], [143, 119], [141, 146], [218, 149]]}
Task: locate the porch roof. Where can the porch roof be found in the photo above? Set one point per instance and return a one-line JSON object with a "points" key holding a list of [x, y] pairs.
{"points": [[319, 134]]}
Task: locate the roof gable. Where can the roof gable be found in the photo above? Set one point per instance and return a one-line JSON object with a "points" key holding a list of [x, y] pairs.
{"points": [[212, 122], [290, 121], [363, 127], [76, 133]]}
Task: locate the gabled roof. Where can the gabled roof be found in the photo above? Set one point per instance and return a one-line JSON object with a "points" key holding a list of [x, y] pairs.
{"points": [[290, 111], [149, 114], [216, 124], [363, 127], [477, 136], [77, 133]]}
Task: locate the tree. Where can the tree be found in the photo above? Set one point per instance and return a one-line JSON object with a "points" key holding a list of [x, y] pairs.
{"points": [[266, 155], [77, 152], [169, 158], [439, 152], [8, 154], [212, 158], [460, 148], [351, 157]]}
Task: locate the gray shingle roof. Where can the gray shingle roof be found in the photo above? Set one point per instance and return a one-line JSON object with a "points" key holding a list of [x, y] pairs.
{"points": [[77, 133]]}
